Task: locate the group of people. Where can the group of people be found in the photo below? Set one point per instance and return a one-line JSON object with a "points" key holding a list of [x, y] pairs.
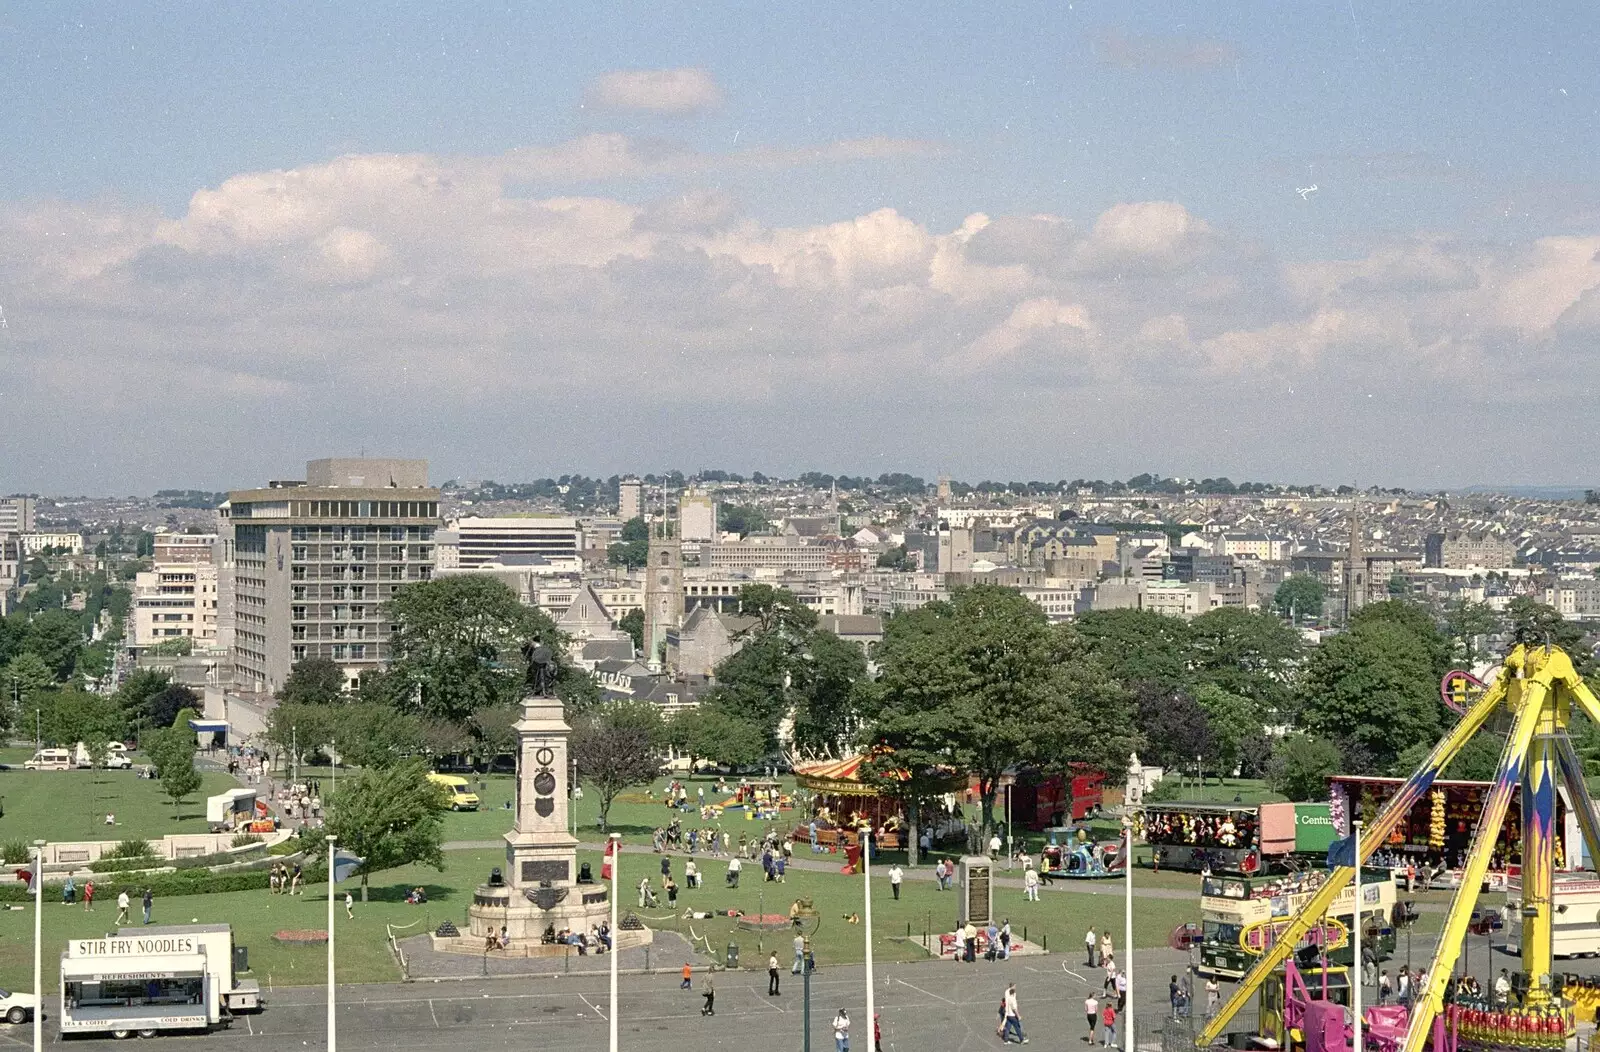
{"points": [[597, 938], [1402, 987], [285, 879], [996, 942]]}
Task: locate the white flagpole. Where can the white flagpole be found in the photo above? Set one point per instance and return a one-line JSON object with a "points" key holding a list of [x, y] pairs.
{"points": [[333, 1039], [616, 936], [866, 891], [1355, 936], [38, 943]]}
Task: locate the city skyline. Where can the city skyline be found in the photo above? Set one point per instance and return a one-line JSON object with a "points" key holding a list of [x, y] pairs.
{"points": [[1352, 245]]}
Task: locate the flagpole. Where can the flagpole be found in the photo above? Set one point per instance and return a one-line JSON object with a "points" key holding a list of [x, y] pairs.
{"points": [[332, 1033], [616, 936], [866, 891]]}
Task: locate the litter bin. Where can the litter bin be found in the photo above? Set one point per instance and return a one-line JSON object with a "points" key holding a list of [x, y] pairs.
{"points": [[732, 957]]}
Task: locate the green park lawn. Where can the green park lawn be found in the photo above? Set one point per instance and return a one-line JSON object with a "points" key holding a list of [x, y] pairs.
{"points": [[72, 805]]}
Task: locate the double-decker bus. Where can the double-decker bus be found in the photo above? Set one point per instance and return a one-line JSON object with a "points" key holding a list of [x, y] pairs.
{"points": [[1241, 916]]}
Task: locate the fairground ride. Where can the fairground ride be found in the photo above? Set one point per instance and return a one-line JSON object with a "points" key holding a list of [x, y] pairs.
{"points": [[1536, 690]]}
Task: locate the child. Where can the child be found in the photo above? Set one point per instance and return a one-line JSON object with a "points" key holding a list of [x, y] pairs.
{"points": [[688, 977]]}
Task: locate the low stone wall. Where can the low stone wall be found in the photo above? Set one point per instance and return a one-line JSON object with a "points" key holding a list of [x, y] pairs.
{"points": [[68, 855]]}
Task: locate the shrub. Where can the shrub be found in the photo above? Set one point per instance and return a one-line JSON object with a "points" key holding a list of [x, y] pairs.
{"points": [[241, 839], [132, 849], [125, 865], [183, 882], [17, 851]]}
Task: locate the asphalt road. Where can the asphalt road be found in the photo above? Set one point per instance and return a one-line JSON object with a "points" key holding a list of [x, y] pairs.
{"points": [[926, 1005]]}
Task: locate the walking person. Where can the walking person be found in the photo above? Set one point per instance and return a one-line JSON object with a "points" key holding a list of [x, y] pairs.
{"points": [[1213, 995], [1108, 1026], [896, 875], [122, 907], [69, 894], [1106, 949], [1013, 1020], [349, 906], [1030, 884], [88, 895], [1173, 996], [772, 974], [1090, 941], [688, 977], [1091, 1012], [149, 900], [841, 1031], [877, 1032], [799, 954], [710, 992]]}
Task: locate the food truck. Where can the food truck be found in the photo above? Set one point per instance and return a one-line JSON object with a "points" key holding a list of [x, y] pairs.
{"points": [[148, 979], [238, 810]]}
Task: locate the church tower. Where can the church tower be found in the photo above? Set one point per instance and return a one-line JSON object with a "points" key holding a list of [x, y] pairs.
{"points": [[1355, 565], [663, 586]]}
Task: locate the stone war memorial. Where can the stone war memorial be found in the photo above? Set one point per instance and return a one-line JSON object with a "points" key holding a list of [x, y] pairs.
{"points": [[540, 893]]}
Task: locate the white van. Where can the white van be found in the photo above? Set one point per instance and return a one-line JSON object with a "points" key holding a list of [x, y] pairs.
{"points": [[50, 760], [116, 756]]}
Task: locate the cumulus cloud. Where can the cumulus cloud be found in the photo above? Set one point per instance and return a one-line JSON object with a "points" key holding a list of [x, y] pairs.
{"points": [[668, 92], [454, 292]]}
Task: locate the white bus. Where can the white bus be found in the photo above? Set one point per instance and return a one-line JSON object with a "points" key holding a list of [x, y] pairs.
{"points": [[145, 980]]}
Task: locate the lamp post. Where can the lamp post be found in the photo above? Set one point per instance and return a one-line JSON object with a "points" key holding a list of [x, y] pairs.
{"points": [[616, 936], [866, 893], [805, 973], [333, 1037], [38, 943]]}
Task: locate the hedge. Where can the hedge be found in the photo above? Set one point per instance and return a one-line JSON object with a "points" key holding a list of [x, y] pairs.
{"points": [[164, 885]]}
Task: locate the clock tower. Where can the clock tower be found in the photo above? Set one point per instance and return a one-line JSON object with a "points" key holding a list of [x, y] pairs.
{"points": [[663, 587]]}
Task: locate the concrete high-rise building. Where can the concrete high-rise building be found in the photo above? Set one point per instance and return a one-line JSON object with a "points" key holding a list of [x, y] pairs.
{"points": [[175, 548], [663, 587], [176, 601], [630, 499], [697, 516], [17, 515], [514, 538], [315, 560]]}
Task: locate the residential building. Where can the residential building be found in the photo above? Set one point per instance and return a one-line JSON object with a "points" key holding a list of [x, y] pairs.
{"points": [[316, 559], [1465, 550], [17, 515], [35, 542], [630, 499], [1577, 599], [783, 554], [697, 516], [175, 601], [175, 549], [506, 540]]}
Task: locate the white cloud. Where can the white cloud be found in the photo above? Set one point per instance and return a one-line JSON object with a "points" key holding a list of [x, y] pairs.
{"points": [[460, 290], [670, 92]]}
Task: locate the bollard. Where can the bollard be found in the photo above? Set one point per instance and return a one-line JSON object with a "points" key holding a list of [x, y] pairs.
{"points": [[567, 958], [908, 929], [1045, 946], [647, 958], [1024, 933]]}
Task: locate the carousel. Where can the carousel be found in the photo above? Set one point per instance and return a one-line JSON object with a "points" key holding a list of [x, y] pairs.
{"points": [[840, 802]]}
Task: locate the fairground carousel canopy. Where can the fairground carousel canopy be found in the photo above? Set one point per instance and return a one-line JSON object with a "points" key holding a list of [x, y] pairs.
{"points": [[847, 778]]}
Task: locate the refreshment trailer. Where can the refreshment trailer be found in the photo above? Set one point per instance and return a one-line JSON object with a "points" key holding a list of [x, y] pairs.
{"points": [[147, 979]]}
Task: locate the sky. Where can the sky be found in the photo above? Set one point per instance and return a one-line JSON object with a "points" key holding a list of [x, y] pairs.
{"points": [[1335, 242]]}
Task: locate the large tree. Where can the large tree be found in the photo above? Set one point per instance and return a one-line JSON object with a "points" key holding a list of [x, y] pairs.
{"points": [[1300, 767], [1417, 620], [616, 746], [1466, 623], [1299, 598], [1533, 623], [1372, 690], [632, 623], [162, 708], [633, 548], [1176, 729], [984, 682], [56, 636], [389, 816], [1234, 723], [707, 732], [68, 716], [455, 643], [313, 681], [1139, 646], [1247, 654]]}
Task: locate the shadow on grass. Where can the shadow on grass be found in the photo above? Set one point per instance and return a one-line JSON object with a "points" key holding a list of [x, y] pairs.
{"points": [[437, 893]]}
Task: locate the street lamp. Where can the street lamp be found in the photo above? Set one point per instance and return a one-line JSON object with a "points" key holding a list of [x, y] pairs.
{"points": [[38, 943], [1127, 933], [866, 891], [1355, 936], [616, 936]]}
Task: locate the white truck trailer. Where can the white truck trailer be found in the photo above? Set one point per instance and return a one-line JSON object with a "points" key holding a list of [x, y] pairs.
{"points": [[1577, 916], [147, 979]]}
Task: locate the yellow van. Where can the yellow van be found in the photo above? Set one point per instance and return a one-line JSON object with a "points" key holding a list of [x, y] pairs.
{"points": [[462, 798]]}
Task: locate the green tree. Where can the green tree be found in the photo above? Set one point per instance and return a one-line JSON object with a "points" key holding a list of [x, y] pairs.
{"points": [[615, 747], [1299, 598], [56, 637], [1466, 623], [1253, 655], [895, 558], [1301, 765], [68, 716], [161, 709], [179, 780], [632, 623], [1234, 721], [1419, 621], [372, 734], [1532, 623], [307, 728], [1372, 690], [136, 691], [633, 548], [494, 729], [24, 678], [709, 733], [313, 681], [1139, 646], [389, 816], [984, 682], [455, 643]]}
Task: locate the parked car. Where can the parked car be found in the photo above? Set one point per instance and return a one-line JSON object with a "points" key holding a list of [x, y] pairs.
{"points": [[17, 1008]]}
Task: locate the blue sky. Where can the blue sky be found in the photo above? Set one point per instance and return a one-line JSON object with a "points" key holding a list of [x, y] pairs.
{"points": [[1451, 147]]}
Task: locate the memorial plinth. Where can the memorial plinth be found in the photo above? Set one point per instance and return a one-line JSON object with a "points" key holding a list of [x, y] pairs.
{"points": [[540, 892]]}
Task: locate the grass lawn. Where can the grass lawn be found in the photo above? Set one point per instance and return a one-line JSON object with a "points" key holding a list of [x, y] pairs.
{"points": [[1222, 791], [72, 805]]}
